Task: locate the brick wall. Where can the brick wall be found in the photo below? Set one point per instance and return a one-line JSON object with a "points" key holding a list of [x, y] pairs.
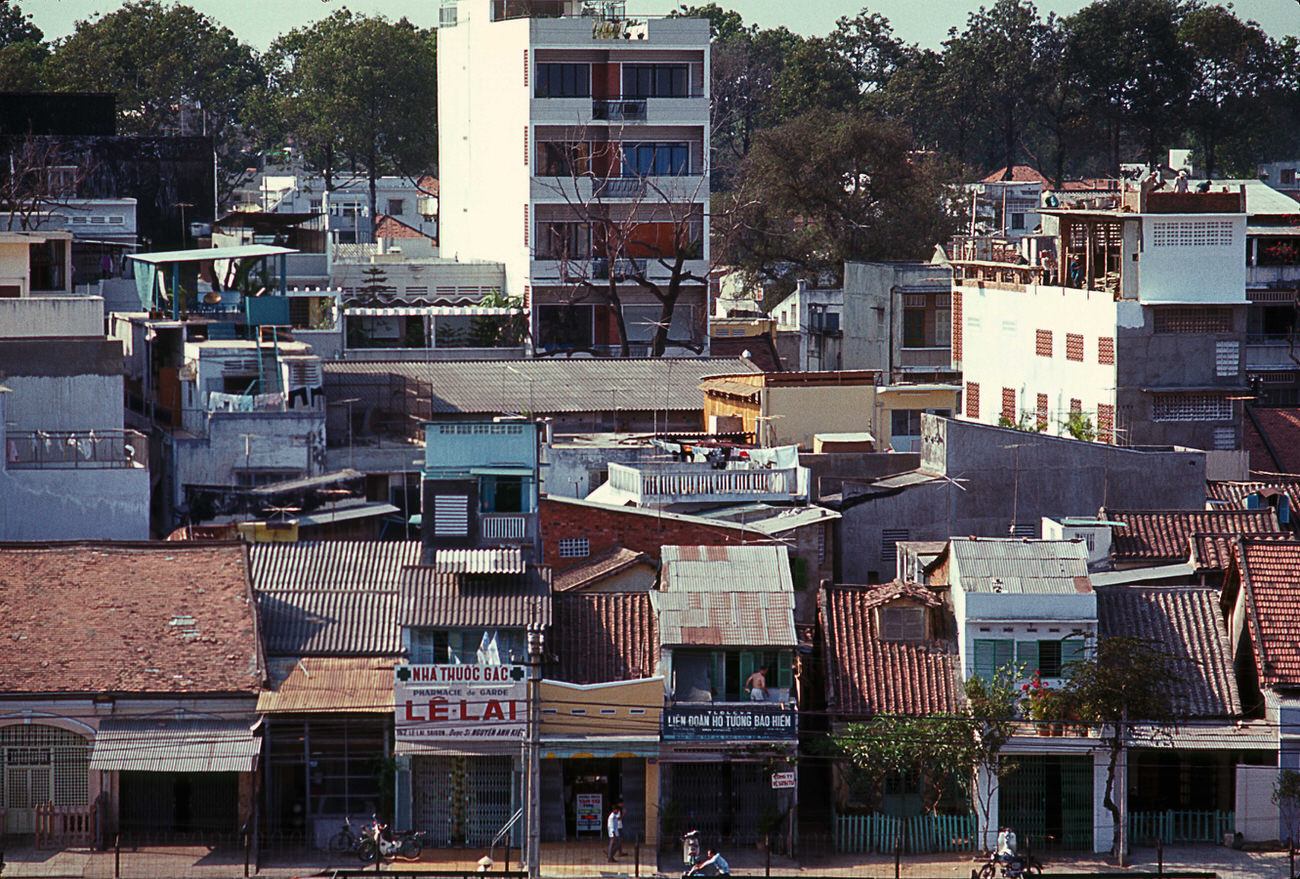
{"points": [[640, 531]]}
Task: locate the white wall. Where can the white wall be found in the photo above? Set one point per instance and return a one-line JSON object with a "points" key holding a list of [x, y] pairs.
{"points": [[1208, 273], [37, 316], [999, 345], [75, 504], [77, 402], [1257, 816]]}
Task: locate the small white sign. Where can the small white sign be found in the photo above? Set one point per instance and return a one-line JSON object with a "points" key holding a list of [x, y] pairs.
{"points": [[590, 810], [782, 780]]}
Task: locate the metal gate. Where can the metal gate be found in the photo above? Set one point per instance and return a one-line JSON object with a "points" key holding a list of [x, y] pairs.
{"points": [[721, 800], [462, 799], [40, 764], [489, 797], [1048, 801]]}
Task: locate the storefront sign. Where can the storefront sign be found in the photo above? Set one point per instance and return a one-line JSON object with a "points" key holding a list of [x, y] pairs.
{"points": [[782, 780], [589, 812], [482, 702], [706, 721]]}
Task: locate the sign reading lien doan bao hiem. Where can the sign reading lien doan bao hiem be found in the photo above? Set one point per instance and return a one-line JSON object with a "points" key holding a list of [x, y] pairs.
{"points": [[460, 701], [687, 721]]}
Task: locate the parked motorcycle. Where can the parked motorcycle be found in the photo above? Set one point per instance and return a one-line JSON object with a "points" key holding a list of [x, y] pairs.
{"points": [[377, 841], [1015, 866]]}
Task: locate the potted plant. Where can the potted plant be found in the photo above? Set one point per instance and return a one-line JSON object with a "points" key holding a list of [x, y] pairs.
{"points": [[1041, 704]]}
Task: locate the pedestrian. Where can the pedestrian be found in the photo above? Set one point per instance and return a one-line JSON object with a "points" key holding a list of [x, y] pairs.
{"points": [[757, 685], [614, 826]]}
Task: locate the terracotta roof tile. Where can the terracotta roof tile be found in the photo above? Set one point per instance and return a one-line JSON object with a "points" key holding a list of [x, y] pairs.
{"points": [[1188, 623], [1271, 576], [1272, 436], [601, 637], [1019, 174], [1164, 535], [128, 618], [867, 676], [1235, 494], [1213, 552]]}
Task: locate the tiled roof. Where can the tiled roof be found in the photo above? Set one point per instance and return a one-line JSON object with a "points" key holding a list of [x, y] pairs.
{"points": [[329, 685], [601, 637], [762, 350], [1213, 552], [1272, 436], [128, 618], [867, 676], [544, 386], [338, 565], [391, 227], [1187, 623], [613, 561], [1164, 535], [1271, 576], [1235, 494], [327, 622], [1017, 565], [437, 599], [1019, 174], [725, 569], [887, 592]]}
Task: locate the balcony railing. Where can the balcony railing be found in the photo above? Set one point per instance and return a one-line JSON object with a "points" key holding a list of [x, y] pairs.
{"points": [[620, 187], [503, 527], [618, 268], [700, 482], [75, 449], [619, 109]]}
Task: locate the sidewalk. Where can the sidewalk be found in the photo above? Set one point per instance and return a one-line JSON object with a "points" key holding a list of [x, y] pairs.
{"points": [[587, 859]]}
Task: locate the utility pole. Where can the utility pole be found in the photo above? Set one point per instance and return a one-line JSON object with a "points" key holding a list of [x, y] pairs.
{"points": [[533, 842]]}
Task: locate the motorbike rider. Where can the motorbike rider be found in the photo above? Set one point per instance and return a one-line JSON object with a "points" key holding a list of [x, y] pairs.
{"points": [[1006, 850], [713, 865]]}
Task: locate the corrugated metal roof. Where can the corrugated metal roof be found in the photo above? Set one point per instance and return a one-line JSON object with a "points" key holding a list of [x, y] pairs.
{"points": [[437, 599], [496, 560], [175, 745], [1018, 565], [329, 684], [342, 565], [731, 387], [791, 518], [237, 251], [332, 515], [330, 622], [543, 386], [726, 569], [726, 619]]}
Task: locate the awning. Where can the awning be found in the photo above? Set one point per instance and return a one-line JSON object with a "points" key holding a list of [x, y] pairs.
{"points": [[203, 254], [330, 516], [175, 745], [605, 747], [460, 747], [331, 685]]}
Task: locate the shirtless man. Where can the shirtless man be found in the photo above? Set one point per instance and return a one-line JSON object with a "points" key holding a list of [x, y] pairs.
{"points": [[757, 685]]}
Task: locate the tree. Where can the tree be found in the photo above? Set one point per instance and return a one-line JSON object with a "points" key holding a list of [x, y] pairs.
{"points": [[942, 746], [992, 706], [1286, 796], [724, 24], [171, 69], [17, 27], [35, 175], [828, 187], [359, 87], [867, 42], [22, 50], [1124, 682]]}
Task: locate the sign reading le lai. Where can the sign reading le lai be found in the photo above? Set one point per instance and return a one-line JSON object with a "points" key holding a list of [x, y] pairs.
{"points": [[460, 701]]}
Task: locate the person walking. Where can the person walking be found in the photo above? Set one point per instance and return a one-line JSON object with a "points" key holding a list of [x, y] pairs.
{"points": [[614, 826]]}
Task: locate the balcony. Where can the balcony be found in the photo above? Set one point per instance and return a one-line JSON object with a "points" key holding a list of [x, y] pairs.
{"points": [[1271, 352], [76, 450], [925, 358], [503, 527], [700, 483], [618, 109]]}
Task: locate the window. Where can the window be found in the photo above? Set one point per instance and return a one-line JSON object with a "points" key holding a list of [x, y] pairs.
{"points": [[563, 158], [1225, 439], [1076, 406], [450, 515], [1009, 404], [1191, 233], [1017, 221], [1074, 347], [1043, 343], [396, 206], [1286, 176], [942, 327], [466, 645], [656, 159], [1024, 529], [1105, 423], [563, 241], [720, 675], [1050, 658], [1041, 411], [904, 423], [1193, 320], [1106, 351], [889, 538], [972, 400], [655, 81], [1227, 358], [563, 81], [575, 547], [503, 494], [913, 327], [1191, 407], [992, 654], [902, 623]]}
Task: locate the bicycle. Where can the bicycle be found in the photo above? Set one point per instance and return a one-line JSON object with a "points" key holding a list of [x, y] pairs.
{"points": [[345, 841]]}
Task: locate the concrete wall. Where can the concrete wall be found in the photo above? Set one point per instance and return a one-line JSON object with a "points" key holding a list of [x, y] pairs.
{"points": [[799, 412], [64, 316], [1258, 818], [83, 402], [1193, 274], [1001, 474], [75, 504], [569, 470], [873, 314]]}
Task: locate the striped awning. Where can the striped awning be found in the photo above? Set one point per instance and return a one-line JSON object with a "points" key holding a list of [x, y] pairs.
{"points": [[175, 745], [431, 311]]}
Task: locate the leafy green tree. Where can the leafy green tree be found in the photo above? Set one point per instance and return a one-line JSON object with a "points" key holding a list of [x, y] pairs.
{"points": [[992, 706], [164, 63], [867, 42], [359, 87], [724, 24], [1128, 58], [943, 747], [826, 187], [814, 76], [1125, 681], [17, 27]]}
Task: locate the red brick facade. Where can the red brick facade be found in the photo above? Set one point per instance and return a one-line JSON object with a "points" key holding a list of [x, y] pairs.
{"points": [[639, 530]]}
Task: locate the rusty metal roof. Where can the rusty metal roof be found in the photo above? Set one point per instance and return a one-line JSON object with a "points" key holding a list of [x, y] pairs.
{"points": [[726, 619], [1020, 565], [438, 599], [331, 564], [495, 560], [327, 622], [174, 744], [726, 569], [318, 684]]}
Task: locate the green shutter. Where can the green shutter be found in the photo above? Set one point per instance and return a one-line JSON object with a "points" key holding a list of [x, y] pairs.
{"points": [[1004, 653], [749, 662], [799, 573], [1073, 649], [784, 670], [1027, 656]]}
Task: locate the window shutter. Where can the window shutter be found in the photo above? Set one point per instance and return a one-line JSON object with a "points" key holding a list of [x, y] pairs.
{"points": [[983, 658], [1072, 650], [450, 515], [1003, 653], [748, 665], [784, 671], [1027, 656]]}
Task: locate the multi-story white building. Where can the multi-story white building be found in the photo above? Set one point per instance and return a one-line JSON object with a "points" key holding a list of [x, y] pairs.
{"points": [[1131, 315], [575, 143]]}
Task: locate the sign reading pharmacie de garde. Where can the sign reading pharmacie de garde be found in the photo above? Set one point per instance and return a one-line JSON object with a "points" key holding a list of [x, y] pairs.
{"points": [[484, 702], [684, 721]]}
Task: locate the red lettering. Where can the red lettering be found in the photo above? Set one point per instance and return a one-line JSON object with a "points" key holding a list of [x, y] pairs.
{"points": [[437, 708], [411, 715], [493, 711], [512, 710], [464, 712]]}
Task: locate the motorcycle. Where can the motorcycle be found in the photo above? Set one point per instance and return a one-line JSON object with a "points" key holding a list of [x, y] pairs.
{"points": [[1016, 866], [690, 849], [377, 841]]}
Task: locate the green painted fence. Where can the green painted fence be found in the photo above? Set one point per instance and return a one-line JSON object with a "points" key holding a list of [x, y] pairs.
{"points": [[1173, 826], [922, 834]]}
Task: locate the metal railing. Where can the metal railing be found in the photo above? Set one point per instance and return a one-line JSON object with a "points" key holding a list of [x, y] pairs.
{"points": [[620, 268], [1181, 825], [504, 527], [700, 480], [75, 449], [619, 109]]}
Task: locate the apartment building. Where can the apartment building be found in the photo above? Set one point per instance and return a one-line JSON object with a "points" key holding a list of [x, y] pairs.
{"points": [[580, 143], [1127, 317]]}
